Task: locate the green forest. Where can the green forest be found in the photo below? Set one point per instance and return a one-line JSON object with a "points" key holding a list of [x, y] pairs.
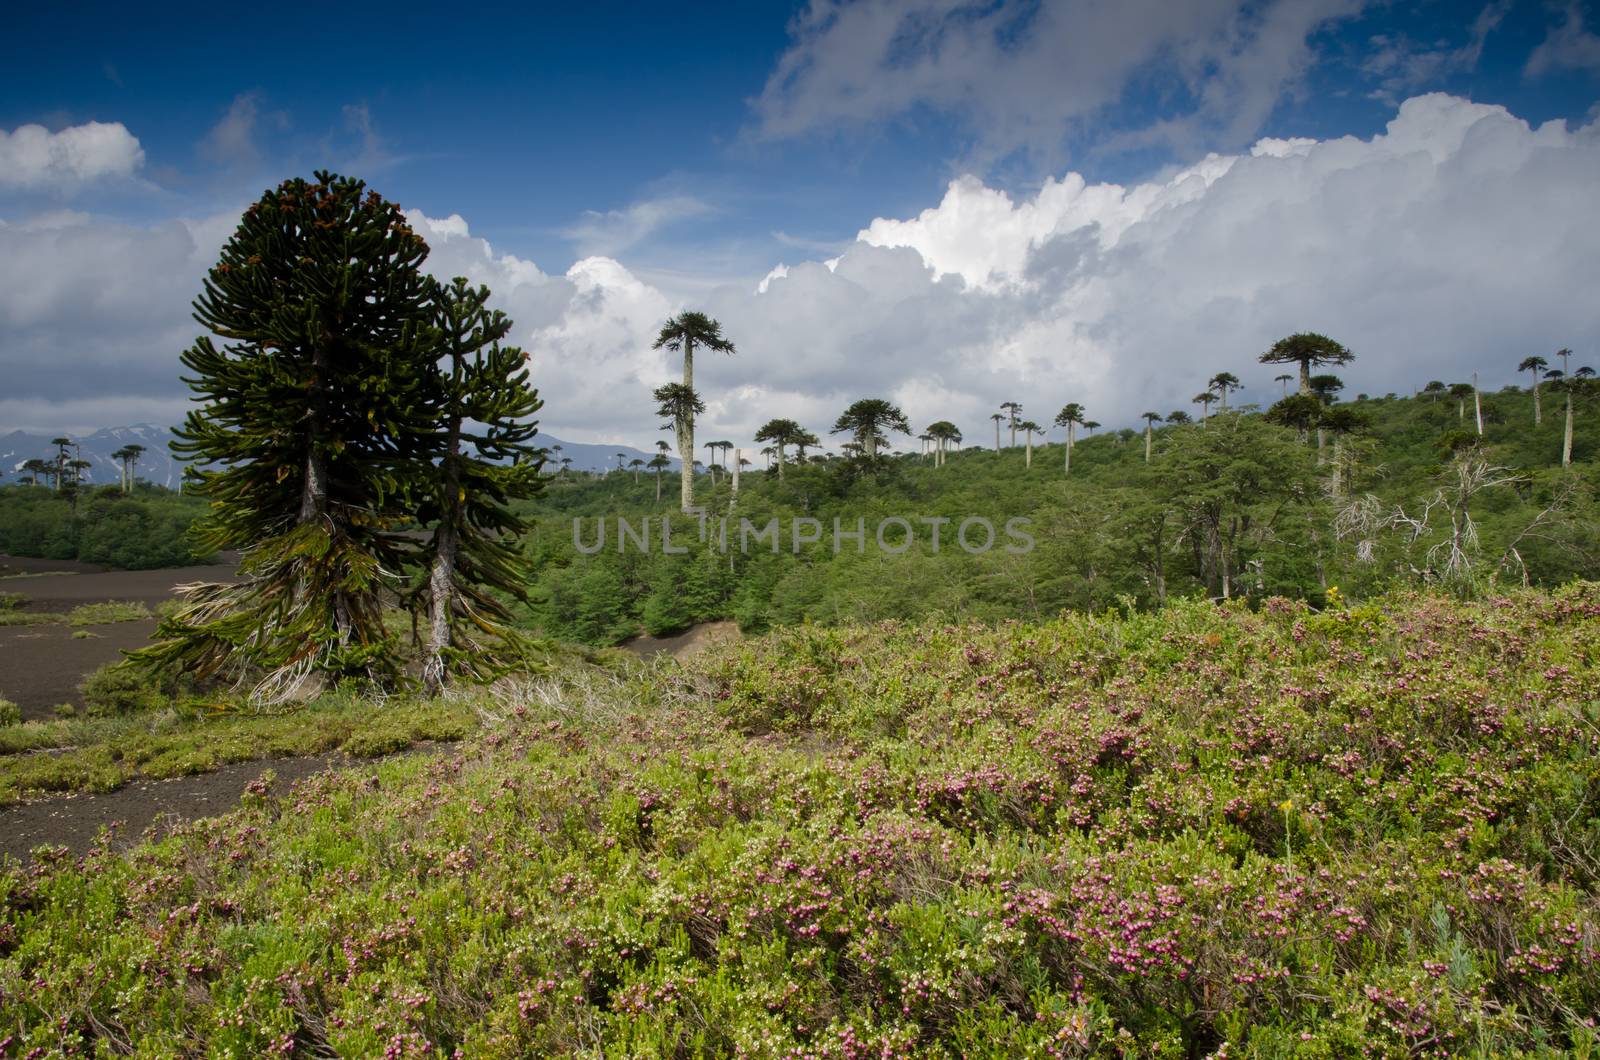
{"points": [[1412, 496], [1233, 506], [143, 528]]}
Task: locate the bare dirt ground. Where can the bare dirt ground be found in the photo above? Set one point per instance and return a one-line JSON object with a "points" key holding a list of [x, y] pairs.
{"points": [[73, 821], [692, 640], [41, 666], [61, 585]]}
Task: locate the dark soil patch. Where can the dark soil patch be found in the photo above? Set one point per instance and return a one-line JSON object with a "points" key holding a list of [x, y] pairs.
{"points": [[73, 821], [64, 591], [691, 640], [42, 665], [14, 565]]}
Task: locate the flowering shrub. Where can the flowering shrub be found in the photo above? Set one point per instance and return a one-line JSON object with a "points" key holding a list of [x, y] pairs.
{"points": [[1212, 831]]}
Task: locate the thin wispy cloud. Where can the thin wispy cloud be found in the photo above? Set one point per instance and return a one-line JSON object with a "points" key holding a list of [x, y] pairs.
{"points": [[612, 232]]}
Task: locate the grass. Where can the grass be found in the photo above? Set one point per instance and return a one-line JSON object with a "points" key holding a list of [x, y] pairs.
{"points": [[101, 754], [93, 614], [1212, 831]]}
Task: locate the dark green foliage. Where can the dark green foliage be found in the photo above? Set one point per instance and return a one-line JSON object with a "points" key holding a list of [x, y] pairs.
{"points": [[481, 460], [148, 528], [307, 439], [1307, 349], [1240, 490]]}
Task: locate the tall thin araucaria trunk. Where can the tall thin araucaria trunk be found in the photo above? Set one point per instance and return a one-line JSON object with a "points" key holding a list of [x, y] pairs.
{"points": [[686, 429], [1477, 403], [1566, 441], [1305, 377], [1538, 410], [1029, 462]]}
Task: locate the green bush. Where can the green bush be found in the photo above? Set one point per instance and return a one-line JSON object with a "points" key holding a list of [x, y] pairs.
{"points": [[10, 713], [117, 689]]}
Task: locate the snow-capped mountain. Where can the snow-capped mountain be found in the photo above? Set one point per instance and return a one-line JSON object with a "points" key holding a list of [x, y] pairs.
{"points": [[157, 465]]}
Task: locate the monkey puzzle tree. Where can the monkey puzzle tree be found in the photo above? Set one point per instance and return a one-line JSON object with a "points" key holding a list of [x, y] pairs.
{"points": [[1535, 365], [679, 405], [1223, 382], [658, 464], [867, 419], [1307, 349], [943, 434], [1029, 429], [478, 456], [307, 439], [780, 432], [1150, 421], [1013, 410], [1070, 416], [682, 333]]}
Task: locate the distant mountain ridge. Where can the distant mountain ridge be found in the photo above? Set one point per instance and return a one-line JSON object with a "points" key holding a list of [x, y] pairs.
{"points": [[156, 463]]}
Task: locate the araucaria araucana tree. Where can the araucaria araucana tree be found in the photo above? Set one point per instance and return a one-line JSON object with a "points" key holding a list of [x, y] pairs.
{"points": [[1308, 350], [780, 432], [477, 458], [867, 419], [353, 397], [306, 440], [683, 333]]}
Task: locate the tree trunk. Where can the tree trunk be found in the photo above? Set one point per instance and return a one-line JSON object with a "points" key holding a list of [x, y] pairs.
{"points": [[658, 485], [1305, 377], [686, 431], [1029, 461], [441, 593], [1149, 432], [1538, 411], [734, 480], [779, 447], [1566, 442], [997, 436], [314, 490], [1477, 403]]}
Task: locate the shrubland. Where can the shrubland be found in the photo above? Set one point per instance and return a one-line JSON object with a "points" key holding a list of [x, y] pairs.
{"points": [[1245, 829]]}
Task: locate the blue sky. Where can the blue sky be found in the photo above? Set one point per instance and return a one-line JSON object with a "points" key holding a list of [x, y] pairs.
{"points": [[696, 147]]}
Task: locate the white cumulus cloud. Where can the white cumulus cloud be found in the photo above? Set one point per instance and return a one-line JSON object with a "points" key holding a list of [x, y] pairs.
{"points": [[1459, 239], [33, 157]]}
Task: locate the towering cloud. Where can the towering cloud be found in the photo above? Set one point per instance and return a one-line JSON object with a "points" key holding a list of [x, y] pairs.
{"points": [[1459, 239]]}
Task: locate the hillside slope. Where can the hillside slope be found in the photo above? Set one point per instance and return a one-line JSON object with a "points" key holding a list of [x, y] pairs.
{"points": [[1368, 831], [1237, 507]]}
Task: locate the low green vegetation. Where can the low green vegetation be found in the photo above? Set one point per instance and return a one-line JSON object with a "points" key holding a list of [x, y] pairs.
{"points": [[1250, 830], [129, 732], [145, 529], [92, 614]]}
